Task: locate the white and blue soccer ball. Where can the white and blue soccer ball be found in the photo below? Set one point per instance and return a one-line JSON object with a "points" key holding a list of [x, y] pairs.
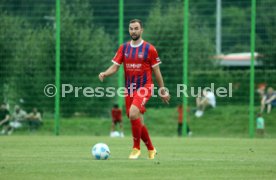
{"points": [[100, 151]]}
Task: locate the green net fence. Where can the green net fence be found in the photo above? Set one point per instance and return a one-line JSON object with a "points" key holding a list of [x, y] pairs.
{"points": [[219, 57]]}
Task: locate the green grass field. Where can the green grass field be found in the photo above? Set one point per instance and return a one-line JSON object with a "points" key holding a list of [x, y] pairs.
{"points": [[69, 157], [218, 149], [223, 121]]}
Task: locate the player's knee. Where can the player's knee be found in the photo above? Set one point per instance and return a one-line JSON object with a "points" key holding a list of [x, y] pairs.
{"points": [[134, 113]]}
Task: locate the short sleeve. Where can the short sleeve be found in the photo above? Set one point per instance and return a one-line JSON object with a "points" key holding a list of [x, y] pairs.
{"points": [[154, 58], [118, 58]]}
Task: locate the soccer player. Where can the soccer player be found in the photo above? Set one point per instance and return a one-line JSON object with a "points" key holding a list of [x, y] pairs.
{"points": [[180, 121], [260, 126], [269, 100], [5, 119], [140, 59], [116, 114], [207, 100]]}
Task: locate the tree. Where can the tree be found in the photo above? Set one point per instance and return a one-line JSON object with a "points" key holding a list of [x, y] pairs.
{"points": [[28, 63], [266, 32], [164, 29], [34, 67], [11, 32], [235, 30], [85, 50]]}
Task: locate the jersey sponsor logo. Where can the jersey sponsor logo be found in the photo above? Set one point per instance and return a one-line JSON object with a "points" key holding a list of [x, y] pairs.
{"points": [[133, 66], [140, 55]]}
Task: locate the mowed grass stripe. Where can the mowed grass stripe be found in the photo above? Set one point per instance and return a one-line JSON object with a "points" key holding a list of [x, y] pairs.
{"points": [[69, 157]]}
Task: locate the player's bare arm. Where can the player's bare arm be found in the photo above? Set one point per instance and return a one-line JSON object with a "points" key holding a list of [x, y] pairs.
{"points": [[5, 120], [165, 95], [110, 71], [271, 99]]}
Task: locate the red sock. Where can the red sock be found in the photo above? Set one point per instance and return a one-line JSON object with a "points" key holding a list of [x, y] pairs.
{"points": [[136, 127], [146, 138]]}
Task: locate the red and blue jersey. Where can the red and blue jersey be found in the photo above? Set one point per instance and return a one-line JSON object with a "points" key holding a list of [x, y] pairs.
{"points": [[138, 63]]}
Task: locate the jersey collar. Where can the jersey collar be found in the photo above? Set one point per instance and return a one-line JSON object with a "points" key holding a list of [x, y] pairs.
{"points": [[137, 44]]}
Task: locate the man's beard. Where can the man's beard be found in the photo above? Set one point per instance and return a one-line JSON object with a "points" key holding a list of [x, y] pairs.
{"points": [[136, 38]]}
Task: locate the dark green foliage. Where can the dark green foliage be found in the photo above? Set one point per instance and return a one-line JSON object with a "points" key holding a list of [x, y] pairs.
{"points": [[266, 32], [164, 29], [89, 33], [12, 32], [28, 63], [235, 30], [85, 51]]}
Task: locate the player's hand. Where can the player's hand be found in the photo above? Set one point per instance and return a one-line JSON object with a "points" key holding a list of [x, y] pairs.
{"points": [[101, 76], [165, 96]]}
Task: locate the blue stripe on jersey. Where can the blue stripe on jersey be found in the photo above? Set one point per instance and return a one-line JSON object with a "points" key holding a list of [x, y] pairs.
{"points": [[146, 51], [128, 84], [132, 81], [128, 51], [124, 48], [144, 79], [126, 81], [140, 51], [133, 53], [138, 82]]}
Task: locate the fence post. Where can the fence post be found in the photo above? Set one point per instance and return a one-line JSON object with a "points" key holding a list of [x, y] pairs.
{"points": [[252, 70], [185, 61], [57, 81], [121, 39]]}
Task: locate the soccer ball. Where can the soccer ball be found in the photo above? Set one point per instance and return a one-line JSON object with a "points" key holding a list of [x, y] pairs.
{"points": [[100, 151]]}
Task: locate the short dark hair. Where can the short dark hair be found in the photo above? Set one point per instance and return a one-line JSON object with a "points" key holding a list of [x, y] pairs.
{"points": [[136, 20], [116, 106]]}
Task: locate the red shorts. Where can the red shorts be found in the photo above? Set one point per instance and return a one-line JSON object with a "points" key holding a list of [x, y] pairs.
{"points": [[139, 99], [115, 121]]}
